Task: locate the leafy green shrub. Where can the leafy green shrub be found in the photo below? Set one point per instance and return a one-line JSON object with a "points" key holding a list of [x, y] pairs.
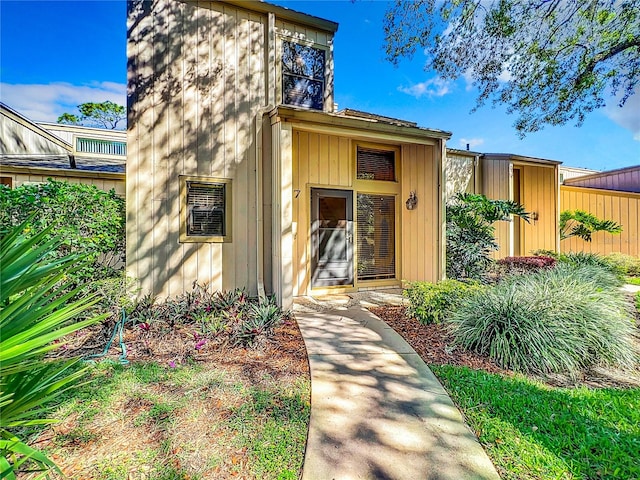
{"points": [[87, 221], [624, 264], [564, 319], [434, 302], [471, 235], [637, 301], [34, 313]]}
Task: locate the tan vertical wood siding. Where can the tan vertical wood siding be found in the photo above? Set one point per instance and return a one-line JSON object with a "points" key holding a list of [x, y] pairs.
{"points": [[197, 79], [620, 207], [305, 36], [496, 179], [419, 227], [319, 160], [538, 194]]}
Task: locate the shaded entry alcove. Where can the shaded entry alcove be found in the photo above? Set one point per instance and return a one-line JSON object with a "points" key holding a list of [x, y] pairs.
{"points": [[331, 237]]}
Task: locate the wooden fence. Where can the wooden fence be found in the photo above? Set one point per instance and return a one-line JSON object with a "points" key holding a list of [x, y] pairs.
{"points": [[621, 207]]}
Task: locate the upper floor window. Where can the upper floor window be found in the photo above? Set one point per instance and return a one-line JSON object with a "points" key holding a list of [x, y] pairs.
{"points": [[303, 79], [102, 147]]}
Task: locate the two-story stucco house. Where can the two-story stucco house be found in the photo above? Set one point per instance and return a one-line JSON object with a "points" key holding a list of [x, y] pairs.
{"points": [[240, 173]]}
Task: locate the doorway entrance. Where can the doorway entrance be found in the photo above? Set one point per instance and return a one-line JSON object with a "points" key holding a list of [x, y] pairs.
{"points": [[331, 237]]}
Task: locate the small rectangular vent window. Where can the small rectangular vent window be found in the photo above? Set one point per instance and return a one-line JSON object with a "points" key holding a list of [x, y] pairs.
{"points": [[376, 164], [206, 205], [102, 147]]}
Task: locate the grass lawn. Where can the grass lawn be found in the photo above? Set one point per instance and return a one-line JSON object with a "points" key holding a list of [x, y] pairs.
{"points": [[221, 413], [534, 431], [632, 280]]}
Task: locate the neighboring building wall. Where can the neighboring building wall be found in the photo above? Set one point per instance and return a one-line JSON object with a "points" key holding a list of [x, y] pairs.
{"points": [[620, 207], [19, 137], [72, 133], [460, 173], [621, 180], [566, 173]]}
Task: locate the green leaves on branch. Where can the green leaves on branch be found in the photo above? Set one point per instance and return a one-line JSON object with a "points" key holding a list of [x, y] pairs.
{"points": [[582, 224], [549, 62], [103, 115], [35, 313], [86, 220]]}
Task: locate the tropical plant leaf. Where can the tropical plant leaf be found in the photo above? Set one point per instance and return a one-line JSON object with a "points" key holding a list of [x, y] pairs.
{"points": [[36, 309]]}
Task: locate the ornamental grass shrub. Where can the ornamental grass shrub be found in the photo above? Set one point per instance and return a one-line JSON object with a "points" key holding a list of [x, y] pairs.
{"points": [[434, 302], [624, 264], [561, 320]]}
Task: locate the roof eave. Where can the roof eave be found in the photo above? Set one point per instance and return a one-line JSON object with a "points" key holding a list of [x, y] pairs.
{"points": [[520, 158], [286, 14], [370, 125]]}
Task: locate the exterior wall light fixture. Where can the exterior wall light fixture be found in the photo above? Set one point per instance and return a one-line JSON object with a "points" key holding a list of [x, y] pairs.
{"points": [[412, 201]]}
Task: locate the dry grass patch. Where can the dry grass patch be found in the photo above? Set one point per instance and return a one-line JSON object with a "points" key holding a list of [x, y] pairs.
{"points": [[221, 412]]}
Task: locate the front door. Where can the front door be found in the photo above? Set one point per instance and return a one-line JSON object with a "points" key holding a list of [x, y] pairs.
{"points": [[331, 237]]}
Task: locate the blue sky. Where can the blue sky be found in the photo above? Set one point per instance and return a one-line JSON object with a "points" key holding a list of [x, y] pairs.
{"points": [[57, 54]]}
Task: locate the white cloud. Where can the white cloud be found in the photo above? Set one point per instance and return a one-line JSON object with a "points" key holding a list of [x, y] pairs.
{"points": [[628, 116], [472, 142], [46, 102], [434, 87]]}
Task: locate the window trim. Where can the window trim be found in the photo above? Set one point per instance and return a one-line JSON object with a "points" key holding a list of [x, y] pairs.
{"points": [[184, 237]]}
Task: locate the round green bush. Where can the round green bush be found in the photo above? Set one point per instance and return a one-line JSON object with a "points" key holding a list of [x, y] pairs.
{"points": [[561, 320]]}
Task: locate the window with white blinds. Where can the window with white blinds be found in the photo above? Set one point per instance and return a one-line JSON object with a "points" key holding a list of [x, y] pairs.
{"points": [[206, 210], [373, 164], [376, 236]]}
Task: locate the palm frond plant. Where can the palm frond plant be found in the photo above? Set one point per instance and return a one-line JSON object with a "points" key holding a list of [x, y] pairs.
{"points": [[582, 224], [34, 314], [471, 234]]}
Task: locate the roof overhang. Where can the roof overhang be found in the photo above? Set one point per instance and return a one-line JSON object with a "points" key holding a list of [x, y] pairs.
{"points": [[606, 173], [62, 172], [357, 127], [25, 122], [520, 159], [286, 14], [463, 153]]}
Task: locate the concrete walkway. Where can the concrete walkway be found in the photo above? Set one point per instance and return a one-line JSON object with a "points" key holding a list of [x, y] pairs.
{"points": [[377, 411]]}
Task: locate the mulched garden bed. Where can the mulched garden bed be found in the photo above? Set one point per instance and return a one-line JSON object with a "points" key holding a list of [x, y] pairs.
{"points": [[434, 345]]}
